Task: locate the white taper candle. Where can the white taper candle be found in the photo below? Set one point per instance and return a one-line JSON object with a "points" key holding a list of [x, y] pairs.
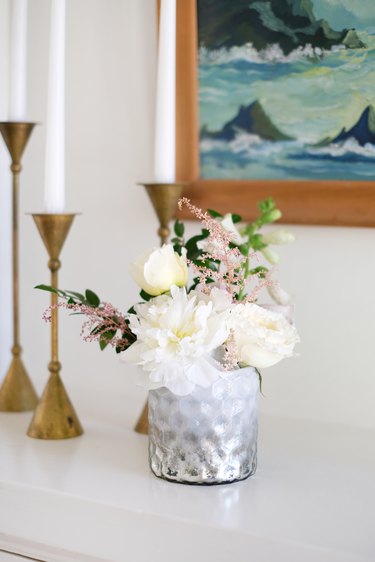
{"points": [[55, 122], [165, 125], [17, 70]]}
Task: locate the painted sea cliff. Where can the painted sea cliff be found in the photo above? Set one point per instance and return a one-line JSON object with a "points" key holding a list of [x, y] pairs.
{"points": [[287, 89]]}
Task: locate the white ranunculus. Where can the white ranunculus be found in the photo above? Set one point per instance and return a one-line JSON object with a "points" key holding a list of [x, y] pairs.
{"points": [[176, 337], [156, 271], [262, 337], [282, 236]]}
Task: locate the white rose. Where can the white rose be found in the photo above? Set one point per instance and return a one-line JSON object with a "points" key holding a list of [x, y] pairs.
{"points": [[278, 237], [262, 337], [156, 271]]}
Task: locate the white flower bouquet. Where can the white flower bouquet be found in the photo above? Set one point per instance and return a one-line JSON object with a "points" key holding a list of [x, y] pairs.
{"points": [[199, 339], [182, 333]]}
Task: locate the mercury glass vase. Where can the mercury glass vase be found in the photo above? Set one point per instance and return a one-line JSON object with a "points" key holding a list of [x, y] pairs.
{"points": [[208, 437]]}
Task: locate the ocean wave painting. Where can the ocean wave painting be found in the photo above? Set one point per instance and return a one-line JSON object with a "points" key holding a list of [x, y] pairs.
{"points": [[287, 89]]}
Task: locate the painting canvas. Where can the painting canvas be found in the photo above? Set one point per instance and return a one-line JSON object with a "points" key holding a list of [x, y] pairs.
{"points": [[286, 89]]}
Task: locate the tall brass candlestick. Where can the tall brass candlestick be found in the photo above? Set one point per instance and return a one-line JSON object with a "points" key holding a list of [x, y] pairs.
{"points": [[54, 417], [164, 198], [17, 393]]}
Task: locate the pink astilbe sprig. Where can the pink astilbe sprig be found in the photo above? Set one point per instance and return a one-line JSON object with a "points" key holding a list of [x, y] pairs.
{"points": [[229, 258], [263, 282], [103, 323]]}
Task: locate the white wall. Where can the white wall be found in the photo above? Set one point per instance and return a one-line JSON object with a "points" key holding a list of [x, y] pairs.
{"points": [[5, 201], [110, 103]]}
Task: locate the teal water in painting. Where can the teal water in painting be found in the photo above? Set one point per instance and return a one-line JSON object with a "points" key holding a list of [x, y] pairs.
{"points": [[310, 95]]}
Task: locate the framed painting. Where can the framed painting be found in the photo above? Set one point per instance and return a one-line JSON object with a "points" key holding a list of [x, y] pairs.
{"points": [[277, 98]]}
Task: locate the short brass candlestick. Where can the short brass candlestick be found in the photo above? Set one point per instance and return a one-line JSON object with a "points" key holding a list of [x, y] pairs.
{"points": [[164, 198], [54, 417], [17, 393]]}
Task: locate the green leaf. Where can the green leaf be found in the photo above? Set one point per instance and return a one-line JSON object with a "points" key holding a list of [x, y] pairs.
{"points": [[244, 249], [78, 296], [50, 290], [178, 249], [145, 296], [214, 214], [256, 241], [192, 250], [236, 218], [179, 228], [210, 265], [249, 229], [132, 310], [266, 205], [260, 271], [106, 337], [260, 381], [92, 298]]}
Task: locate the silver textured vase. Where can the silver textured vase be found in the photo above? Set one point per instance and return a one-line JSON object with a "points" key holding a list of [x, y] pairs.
{"points": [[209, 436]]}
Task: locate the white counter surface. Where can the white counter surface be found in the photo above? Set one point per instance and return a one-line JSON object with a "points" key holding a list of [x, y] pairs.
{"points": [[93, 497]]}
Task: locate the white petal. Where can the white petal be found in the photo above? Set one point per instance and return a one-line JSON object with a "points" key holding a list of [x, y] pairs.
{"points": [[256, 356]]}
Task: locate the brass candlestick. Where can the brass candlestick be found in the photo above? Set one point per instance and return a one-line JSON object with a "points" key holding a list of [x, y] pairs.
{"points": [[164, 198], [54, 417], [17, 393]]}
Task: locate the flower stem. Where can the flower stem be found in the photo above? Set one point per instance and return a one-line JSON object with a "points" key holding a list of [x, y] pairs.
{"points": [[246, 271]]}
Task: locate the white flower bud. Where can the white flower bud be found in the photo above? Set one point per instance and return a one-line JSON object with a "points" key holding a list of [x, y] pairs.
{"points": [[228, 224], [270, 256], [278, 237], [278, 294]]}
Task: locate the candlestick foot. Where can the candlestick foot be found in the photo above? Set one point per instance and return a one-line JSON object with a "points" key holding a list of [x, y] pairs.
{"points": [[55, 417], [142, 423], [17, 393]]}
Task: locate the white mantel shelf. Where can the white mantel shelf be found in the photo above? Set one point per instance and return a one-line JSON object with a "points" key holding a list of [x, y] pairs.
{"points": [[94, 499]]}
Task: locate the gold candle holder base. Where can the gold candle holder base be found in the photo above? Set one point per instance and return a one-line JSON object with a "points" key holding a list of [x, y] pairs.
{"points": [[54, 417], [142, 424], [164, 198], [17, 393]]}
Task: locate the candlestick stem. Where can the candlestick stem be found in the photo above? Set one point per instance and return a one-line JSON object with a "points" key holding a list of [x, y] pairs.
{"points": [[17, 393], [54, 417]]}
